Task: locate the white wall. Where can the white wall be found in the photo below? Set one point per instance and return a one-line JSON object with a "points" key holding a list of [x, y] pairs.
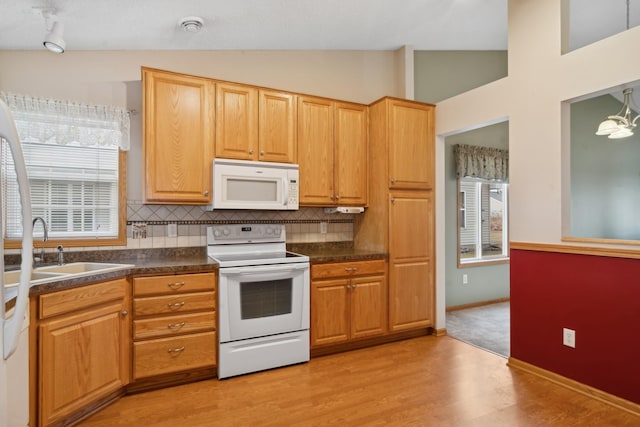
{"points": [[540, 78]]}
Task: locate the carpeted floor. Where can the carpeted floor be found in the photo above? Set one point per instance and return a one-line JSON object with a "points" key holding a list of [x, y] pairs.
{"points": [[486, 327]]}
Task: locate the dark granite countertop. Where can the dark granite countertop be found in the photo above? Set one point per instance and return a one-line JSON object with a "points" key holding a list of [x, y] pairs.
{"points": [[334, 252], [144, 261], [184, 260]]}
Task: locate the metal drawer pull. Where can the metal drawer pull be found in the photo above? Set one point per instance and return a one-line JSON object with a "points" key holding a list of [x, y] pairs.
{"points": [[175, 285], [176, 305], [351, 268], [175, 325], [176, 350]]}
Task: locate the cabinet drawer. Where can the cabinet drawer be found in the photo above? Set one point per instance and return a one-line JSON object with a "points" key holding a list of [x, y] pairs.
{"points": [[340, 269], [174, 354], [175, 284], [174, 303], [81, 298], [174, 325]]}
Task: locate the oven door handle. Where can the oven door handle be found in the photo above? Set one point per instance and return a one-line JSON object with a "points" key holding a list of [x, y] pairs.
{"points": [[271, 269]]}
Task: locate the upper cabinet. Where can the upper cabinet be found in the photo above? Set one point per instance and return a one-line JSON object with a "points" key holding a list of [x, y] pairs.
{"points": [[332, 152], [255, 124], [177, 138], [236, 121], [277, 127], [410, 131]]}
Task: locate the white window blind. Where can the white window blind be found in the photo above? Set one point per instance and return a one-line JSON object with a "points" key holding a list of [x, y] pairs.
{"points": [[72, 160]]}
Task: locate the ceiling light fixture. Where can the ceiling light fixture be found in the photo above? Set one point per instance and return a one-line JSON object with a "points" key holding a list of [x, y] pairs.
{"points": [[620, 125], [191, 24], [54, 41]]}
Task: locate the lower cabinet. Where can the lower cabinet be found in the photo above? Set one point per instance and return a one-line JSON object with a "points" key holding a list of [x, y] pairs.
{"points": [[83, 342], [174, 325], [348, 301]]}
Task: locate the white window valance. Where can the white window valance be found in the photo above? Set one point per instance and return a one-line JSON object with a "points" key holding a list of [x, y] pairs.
{"points": [[491, 164], [65, 122]]}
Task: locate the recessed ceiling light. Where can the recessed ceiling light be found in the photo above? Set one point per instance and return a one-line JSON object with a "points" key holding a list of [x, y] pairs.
{"points": [[191, 24]]}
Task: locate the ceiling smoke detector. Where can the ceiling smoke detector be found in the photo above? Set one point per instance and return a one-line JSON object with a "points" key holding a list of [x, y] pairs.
{"points": [[191, 24]]}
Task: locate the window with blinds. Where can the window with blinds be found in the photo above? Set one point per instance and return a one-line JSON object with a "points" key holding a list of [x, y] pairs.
{"points": [[73, 157], [74, 188]]}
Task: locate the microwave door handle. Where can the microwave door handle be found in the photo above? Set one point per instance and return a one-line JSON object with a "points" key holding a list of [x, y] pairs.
{"points": [[285, 190]]}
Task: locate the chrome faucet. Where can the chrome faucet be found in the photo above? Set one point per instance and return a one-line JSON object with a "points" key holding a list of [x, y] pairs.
{"points": [[60, 255], [45, 237]]}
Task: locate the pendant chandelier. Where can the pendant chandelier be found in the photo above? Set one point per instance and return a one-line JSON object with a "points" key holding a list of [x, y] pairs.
{"points": [[620, 125]]}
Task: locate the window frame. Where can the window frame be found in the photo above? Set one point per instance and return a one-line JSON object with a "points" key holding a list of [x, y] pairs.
{"points": [[482, 260], [121, 238]]}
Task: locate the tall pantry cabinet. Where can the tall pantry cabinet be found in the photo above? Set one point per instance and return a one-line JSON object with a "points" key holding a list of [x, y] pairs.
{"points": [[400, 214]]}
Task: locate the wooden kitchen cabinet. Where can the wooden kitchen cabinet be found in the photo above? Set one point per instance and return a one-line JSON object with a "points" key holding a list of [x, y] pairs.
{"points": [[236, 121], [348, 301], [174, 326], [177, 138], [277, 138], [83, 349], [400, 215], [410, 145], [255, 124], [332, 152], [411, 246]]}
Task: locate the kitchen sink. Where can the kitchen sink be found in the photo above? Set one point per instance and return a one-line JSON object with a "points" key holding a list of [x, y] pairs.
{"points": [[77, 268], [55, 273]]}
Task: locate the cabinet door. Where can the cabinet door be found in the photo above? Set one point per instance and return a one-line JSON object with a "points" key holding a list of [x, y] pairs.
{"points": [[368, 306], [83, 357], [277, 127], [329, 312], [178, 138], [315, 151], [411, 147], [351, 173], [236, 121], [411, 250]]}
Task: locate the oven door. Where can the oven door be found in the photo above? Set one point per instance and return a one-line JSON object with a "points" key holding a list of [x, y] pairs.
{"points": [[257, 301]]}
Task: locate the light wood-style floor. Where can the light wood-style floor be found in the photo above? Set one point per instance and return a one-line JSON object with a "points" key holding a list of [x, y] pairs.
{"points": [[426, 381]]}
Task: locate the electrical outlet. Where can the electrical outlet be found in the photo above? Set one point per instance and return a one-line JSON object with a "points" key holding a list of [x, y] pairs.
{"points": [[323, 228], [172, 230], [465, 279], [569, 337]]}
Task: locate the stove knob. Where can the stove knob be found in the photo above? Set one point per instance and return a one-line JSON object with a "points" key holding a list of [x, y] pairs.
{"points": [[216, 233], [277, 231], [226, 232], [269, 230]]}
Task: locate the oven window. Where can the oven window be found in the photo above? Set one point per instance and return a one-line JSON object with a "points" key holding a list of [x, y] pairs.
{"points": [[265, 299], [247, 190]]}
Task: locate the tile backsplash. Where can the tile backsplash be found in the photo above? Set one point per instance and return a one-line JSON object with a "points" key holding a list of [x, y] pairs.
{"points": [[148, 225]]}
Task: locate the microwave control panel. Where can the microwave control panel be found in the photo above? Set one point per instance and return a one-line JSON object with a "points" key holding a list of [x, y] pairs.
{"points": [[293, 193]]}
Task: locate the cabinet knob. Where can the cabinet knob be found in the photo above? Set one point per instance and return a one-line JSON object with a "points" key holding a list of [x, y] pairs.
{"points": [[262, 153], [124, 313], [251, 151], [393, 180], [206, 192], [393, 200]]}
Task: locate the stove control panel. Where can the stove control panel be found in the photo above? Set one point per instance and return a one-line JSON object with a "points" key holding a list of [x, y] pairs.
{"points": [[245, 233]]}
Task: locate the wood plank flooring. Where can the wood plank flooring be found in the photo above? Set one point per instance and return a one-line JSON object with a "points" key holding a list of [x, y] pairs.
{"points": [[425, 381]]}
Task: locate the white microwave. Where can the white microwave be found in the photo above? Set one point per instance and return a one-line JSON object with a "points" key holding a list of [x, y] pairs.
{"points": [[242, 184]]}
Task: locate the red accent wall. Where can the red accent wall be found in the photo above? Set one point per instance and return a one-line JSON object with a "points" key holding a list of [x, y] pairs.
{"points": [[598, 297]]}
